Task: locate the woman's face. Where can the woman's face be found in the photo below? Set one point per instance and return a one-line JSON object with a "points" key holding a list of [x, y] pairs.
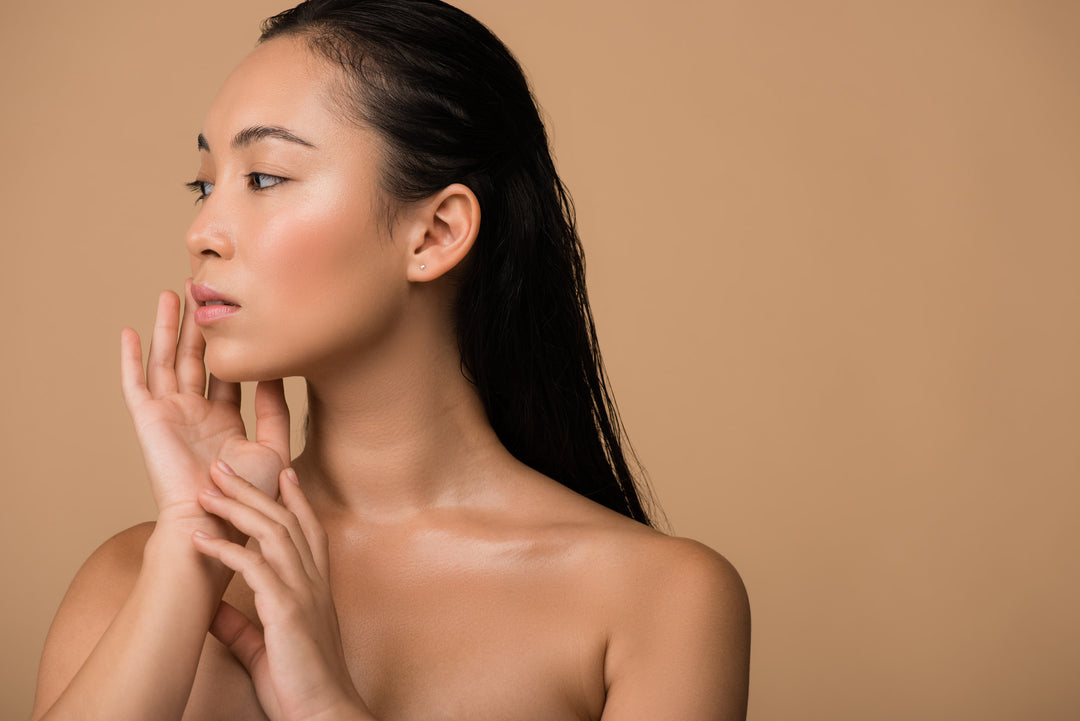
{"points": [[291, 230]]}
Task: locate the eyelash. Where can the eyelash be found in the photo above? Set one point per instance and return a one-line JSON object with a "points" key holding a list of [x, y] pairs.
{"points": [[199, 186]]}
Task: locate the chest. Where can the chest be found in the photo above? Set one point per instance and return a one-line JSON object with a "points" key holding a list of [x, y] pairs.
{"points": [[459, 642], [473, 648]]}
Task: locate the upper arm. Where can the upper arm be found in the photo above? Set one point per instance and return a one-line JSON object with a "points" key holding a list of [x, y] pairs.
{"points": [[94, 597], [683, 648]]}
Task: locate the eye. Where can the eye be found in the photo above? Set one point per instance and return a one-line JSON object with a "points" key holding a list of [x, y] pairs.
{"points": [[262, 181], [201, 187]]}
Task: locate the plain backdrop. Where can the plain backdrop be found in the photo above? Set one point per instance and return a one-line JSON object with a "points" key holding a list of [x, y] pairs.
{"points": [[833, 251]]}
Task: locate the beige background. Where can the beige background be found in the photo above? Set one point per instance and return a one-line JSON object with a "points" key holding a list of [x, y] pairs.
{"points": [[833, 252]]}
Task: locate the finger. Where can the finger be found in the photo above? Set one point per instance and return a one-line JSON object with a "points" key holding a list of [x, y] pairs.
{"points": [[190, 368], [223, 391], [294, 499], [276, 544], [132, 377], [272, 417], [255, 514], [160, 367], [251, 564], [242, 637]]}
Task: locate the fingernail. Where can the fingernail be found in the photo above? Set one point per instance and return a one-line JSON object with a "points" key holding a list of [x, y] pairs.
{"points": [[211, 491], [224, 467], [292, 476], [202, 534]]}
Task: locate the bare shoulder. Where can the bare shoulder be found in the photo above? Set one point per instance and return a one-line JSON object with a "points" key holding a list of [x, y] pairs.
{"points": [[636, 561], [104, 581], [92, 600], [678, 628], [687, 572], [644, 567], [654, 572]]}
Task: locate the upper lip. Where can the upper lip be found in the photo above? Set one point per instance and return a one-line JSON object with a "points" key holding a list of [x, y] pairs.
{"points": [[204, 294]]}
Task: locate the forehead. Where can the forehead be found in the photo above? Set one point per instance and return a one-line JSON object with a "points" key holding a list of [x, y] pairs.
{"points": [[281, 83]]}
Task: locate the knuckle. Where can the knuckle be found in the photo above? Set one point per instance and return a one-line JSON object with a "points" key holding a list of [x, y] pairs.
{"points": [[256, 655], [280, 533]]}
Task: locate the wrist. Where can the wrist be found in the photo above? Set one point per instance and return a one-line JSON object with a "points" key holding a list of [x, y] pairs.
{"points": [[180, 520], [170, 547]]}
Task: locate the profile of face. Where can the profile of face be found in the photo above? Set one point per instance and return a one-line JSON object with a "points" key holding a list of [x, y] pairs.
{"points": [[291, 230]]}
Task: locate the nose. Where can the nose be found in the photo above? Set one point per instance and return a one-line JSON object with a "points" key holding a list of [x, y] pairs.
{"points": [[209, 236]]}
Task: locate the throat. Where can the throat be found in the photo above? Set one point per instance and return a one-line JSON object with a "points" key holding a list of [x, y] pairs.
{"points": [[400, 455]]}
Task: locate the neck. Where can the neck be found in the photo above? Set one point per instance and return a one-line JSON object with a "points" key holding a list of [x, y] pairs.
{"points": [[397, 434]]}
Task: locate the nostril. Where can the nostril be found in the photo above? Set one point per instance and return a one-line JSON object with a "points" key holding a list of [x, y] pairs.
{"points": [[211, 253]]}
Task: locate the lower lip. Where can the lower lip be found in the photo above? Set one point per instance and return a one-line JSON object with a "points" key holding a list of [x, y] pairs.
{"points": [[207, 314]]}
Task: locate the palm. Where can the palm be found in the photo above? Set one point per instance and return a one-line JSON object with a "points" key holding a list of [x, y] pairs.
{"points": [[181, 430], [182, 435]]}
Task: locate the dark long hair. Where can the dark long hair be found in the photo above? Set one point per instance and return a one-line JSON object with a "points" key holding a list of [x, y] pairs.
{"points": [[452, 105]]}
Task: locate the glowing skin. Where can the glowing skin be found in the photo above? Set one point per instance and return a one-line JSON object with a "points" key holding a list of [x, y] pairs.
{"points": [[452, 580], [294, 234]]}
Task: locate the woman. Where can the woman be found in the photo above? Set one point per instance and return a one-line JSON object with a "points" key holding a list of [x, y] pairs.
{"points": [[461, 536]]}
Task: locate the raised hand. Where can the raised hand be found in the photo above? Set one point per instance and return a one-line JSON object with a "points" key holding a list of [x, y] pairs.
{"points": [[183, 425], [296, 662]]}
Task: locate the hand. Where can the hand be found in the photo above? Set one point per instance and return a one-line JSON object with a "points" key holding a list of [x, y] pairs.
{"points": [[296, 662], [181, 430]]}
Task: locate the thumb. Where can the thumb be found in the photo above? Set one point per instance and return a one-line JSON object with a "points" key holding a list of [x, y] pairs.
{"points": [[241, 637], [272, 417]]}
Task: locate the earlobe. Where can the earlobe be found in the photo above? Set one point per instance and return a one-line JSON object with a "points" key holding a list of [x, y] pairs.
{"points": [[449, 224]]}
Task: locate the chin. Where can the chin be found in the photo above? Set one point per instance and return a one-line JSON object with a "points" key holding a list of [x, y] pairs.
{"points": [[234, 374], [239, 368]]}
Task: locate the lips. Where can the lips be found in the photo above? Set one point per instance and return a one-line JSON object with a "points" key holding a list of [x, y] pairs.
{"points": [[207, 295], [213, 304]]}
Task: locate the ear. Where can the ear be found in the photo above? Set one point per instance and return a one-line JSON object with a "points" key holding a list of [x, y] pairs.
{"points": [[443, 230]]}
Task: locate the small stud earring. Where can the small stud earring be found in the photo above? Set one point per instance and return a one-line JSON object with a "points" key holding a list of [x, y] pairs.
{"points": [[422, 267]]}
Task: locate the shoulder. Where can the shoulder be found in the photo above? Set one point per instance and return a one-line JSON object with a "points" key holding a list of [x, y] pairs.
{"points": [[695, 595], [647, 567], [679, 578], [92, 600], [679, 631], [686, 571], [643, 567], [104, 581], [121, 553]]}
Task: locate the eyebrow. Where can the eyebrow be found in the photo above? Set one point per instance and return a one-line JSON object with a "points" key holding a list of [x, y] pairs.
{"points": [[254, 134]]}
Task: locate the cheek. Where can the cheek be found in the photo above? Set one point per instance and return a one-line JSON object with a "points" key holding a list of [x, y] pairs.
{"points": [[322, 266], [317, 239], [325, 291]]}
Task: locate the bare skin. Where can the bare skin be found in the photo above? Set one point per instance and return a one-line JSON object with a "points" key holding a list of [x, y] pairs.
{"points": [[410, 568]]}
